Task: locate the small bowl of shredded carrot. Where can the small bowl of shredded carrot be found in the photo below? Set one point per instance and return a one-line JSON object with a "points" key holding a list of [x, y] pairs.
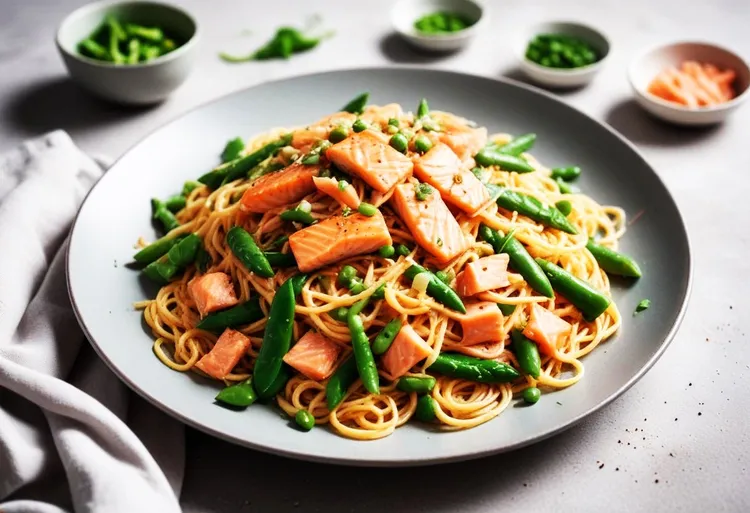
{"points": [[690, 83]]}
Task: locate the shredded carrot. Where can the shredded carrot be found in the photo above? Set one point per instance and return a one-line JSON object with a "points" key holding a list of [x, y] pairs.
{"points": [[694, 84]]}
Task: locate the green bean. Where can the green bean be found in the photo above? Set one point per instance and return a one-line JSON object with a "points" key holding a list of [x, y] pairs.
{"points": [[491, 157], [134, 51], [240, 166], [276, 338], [156, 249], [564, 187], [233, 149], [520, 144], [402, 250], [243, 247], [387, 251], [527, 354], [614, 262], [239, 395], [340, 314], [566, 173], [456, 365], [338, 134], [359, 126], [564, 206], [279, 243], [532, 395], [116, 34], [586, 298], [422, 144], [519, 259], [357, 105], [90, 48], [175, 203], [178, 257], [506, 309], [368, 371], [643, 304], [244, 313], [399, 142], [531, 207], [426, 408], [189, 186], [304, 420], [385, 338], [339, 383], [366, 209], [423, 109], [277, 259], [203, 259], [149, 52], [163, 215], [438, 290], [420, 385], [296, 215], [151, 34]]}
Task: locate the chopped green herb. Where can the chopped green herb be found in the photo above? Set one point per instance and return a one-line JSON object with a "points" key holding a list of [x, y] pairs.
{"points": [[644, 304], [423, 190], [342, 185]]}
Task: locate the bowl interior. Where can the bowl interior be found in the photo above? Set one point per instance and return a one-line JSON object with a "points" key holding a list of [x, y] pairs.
{"points": [[407, 12], [79, 25], [654, 61], [584, 32]]}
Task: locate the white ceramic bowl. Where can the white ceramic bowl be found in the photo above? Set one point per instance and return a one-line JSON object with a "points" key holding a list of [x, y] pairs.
{"points": [[136, 84], [556, 77], [406, 12], [648, 65]]}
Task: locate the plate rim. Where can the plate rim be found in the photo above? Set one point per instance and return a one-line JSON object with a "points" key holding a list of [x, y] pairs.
{"points": [[667, 340]]}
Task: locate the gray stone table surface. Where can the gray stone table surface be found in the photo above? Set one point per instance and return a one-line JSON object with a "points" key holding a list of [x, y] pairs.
{"points": [[677, 441]]}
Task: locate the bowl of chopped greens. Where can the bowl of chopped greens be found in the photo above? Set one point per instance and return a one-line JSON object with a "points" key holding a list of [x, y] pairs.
{"points": [[128, 52], [438, 25], [562, 54]]}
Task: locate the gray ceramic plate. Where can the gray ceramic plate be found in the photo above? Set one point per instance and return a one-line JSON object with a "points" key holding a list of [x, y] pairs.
{"points": [[116, 213]]}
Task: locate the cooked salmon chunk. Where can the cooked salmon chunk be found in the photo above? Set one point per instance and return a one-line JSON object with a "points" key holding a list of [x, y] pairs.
{"points": [[366, 156], [338, 238], [482, 322], [441, 168], [407, 350], [487, 273], [430, 222], [225, 354], [346, 195], [281, 188], [546, 329], [304, 138], [314, 356], [211, 292]]}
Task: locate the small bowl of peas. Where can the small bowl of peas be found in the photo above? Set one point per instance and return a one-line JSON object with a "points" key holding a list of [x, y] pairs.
{"points": [[133, 53], [438, 25], [562, 54]]}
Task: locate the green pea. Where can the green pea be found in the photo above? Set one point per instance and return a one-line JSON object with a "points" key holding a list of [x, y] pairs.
{"points": [[443, 276], [340, 313], [338, 134], [394, 122], [304, 420], [399, 142], [356, 286], [359, 126], [564, 206], [402, 250], [367, 209], [531, 395], [422, 144], [347, 274], [387, 251]]}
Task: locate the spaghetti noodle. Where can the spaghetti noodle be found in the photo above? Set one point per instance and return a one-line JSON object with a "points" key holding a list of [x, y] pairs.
{"points": [[459, 403]]}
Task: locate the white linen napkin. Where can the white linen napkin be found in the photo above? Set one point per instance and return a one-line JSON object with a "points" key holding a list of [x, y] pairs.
{"points": [[64, 442]]}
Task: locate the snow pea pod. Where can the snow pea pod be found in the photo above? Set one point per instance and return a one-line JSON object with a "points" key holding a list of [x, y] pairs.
{"points": [[245, 313], [240, 166], [385, 338], [366, 367], [474, 369], [426, 408], [163, 215], [243, 247], [437, 289], [233, 149], [178, 257], [277, 259], [239, 395], [531, 207], [494, 157], [420, 385], [518, 145], [527, 353], [340, 382], [357, 105], [156, 249], [614, 262], [586, 298], [276, 339]]}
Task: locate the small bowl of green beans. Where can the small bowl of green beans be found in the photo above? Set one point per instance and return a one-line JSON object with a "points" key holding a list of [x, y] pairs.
{"points": [[562, 54], [128, 52], [438, 25]]}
